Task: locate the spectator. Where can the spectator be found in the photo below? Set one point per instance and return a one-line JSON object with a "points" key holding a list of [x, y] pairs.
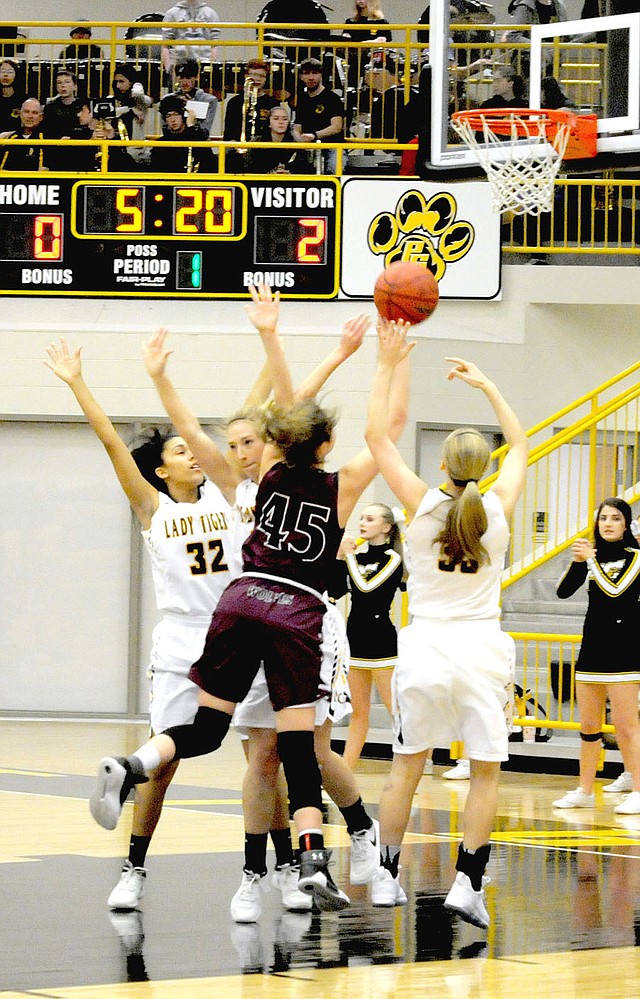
{"points": [[252, 119], [527, 12], [79, 51], [508, 89], [319, 113], [277, 160], [187, 88], [295, 12], [552, 95], [257, 72], [186, 12], [89, 128], [25, 157], [391, 116], [365, 13], [10, 100], [60, 115], [185, 159], [132, 107]]}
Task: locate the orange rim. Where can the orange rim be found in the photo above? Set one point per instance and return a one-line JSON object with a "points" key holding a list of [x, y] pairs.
{"points": [[502, 120]]}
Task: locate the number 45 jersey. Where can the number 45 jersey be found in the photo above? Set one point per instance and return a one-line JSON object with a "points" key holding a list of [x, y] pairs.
{"points": [[189, 544], [297, 532]]}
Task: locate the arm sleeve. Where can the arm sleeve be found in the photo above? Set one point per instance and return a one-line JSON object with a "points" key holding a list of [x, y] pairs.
{"points": [[572, 579]]}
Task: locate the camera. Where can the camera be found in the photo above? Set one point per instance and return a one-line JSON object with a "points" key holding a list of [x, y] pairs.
{"points": [[103, 108]]}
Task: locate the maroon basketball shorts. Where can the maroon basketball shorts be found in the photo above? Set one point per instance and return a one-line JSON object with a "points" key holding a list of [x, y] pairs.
{"points": [[263, 620]]}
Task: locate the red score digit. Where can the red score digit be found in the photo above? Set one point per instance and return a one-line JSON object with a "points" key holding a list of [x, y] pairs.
{"points": [[47, 237]]}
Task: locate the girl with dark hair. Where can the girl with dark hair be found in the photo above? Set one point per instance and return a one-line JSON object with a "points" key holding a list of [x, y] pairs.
{"points": [[608, 664], [272, 614], [373, 572], [454, 675], [166, 488], [11, 99]]}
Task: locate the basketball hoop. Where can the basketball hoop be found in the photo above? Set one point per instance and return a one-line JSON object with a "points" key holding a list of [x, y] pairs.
{"points": [[522, 149]]}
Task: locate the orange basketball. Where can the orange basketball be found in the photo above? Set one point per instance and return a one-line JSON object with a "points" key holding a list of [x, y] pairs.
{"points": [[406, 291]]}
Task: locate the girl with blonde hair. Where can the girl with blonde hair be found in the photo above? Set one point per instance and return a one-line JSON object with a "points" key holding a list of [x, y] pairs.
{"points": [[453, 679]]}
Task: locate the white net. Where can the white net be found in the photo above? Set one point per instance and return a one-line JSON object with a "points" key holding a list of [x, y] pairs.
{"points": [[522, 177]]}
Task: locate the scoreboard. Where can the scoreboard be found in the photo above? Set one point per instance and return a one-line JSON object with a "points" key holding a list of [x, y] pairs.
{"points": [[156, 238], [309, 238]]}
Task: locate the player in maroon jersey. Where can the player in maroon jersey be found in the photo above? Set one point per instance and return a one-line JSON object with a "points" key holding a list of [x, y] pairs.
{"points": [[272, 613]]}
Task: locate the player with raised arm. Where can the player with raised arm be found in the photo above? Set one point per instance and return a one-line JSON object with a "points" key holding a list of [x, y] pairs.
{"points": [[454, 673]]}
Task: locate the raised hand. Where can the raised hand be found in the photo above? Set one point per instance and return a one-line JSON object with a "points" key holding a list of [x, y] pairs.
{"points": [[155, 354], [353, 333], [67, 366], [392, 341], [467, 372], [265, 311]]}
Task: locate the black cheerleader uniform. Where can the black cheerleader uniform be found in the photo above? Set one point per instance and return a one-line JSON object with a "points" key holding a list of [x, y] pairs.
{"points": [[610, 651], [373, 574]]}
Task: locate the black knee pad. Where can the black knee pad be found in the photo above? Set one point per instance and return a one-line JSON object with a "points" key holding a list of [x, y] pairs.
{"points": [[591, 736], [296, 751], [205, 734]]}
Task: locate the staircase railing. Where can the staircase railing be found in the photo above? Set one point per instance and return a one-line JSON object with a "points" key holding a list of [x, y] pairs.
{"points": [[578, 456]]}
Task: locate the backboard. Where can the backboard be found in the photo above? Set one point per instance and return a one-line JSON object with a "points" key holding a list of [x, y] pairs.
{"points": [[596, 62]]}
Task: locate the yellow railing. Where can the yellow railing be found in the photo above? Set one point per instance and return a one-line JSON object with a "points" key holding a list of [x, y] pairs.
{"points": [[578, 456]]}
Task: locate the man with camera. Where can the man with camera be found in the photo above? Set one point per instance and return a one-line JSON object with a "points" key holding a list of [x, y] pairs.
{"points": [[181, 126], [96, 120]]}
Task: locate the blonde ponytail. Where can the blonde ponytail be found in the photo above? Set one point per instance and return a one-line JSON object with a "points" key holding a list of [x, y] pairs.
{"points": [[466, 456]]}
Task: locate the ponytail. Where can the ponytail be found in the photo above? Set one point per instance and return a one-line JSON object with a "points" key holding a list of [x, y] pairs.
{"points": [[466, 456]]}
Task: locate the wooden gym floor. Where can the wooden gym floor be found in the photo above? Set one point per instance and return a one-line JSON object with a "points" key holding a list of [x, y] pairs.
{"points": [[564, 893]]}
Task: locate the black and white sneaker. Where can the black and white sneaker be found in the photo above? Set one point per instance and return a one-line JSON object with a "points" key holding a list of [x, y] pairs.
{"points": [[316, 880], [113, 783]]}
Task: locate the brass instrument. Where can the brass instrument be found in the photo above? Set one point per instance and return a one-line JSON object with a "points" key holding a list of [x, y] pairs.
{"points": [[249, 111], [192, 167]]}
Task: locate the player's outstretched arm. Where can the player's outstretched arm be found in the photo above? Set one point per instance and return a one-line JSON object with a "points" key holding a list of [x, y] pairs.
{"points": [[156, 355], [264, 313], [352, 336], [510, 481], [67, 366], [393, 352], [358, 473]]}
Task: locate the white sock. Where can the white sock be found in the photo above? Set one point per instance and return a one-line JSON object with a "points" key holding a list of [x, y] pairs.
{"points": [[149, 757]]}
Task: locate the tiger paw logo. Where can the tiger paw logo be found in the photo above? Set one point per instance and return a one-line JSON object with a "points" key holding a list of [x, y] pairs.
{"points": [[423, 232]]}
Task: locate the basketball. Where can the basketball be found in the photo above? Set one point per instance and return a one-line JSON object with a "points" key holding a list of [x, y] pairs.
{"points": [[406, 291]]}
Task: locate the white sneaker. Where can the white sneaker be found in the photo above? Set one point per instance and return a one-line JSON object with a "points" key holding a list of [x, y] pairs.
{"points": [[576, 799], [386, 890], [468, 903], [630, 805], [621, 784], [129, 889], [365, 854], [246, 904], [461, 771], [286, 881]]}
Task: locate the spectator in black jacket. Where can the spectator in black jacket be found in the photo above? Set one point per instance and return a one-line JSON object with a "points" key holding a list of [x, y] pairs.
{"points": [[180, 126]]}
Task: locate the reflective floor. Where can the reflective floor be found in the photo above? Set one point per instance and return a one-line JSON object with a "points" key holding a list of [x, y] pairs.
{"points": [[561, 881]]}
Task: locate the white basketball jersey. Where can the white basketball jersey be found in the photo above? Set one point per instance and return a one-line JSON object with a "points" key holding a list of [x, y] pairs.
{"points": [[190, 545], [445, 595], [245, 510]]}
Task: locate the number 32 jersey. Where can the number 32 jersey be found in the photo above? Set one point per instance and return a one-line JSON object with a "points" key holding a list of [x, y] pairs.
{"points": [[188, 544]]}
